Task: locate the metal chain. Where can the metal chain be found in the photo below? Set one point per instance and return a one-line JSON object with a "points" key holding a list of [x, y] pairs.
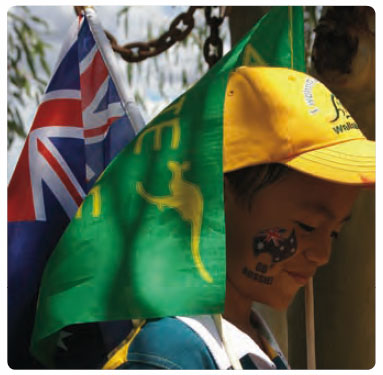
{"points": [[213, 46], [179, 29]]}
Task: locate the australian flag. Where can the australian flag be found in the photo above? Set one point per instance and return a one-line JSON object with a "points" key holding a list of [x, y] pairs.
{"points": [[273, 242], [79, 127]]}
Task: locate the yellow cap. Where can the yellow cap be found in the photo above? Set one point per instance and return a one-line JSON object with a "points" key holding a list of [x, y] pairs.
{"points": [[278, 115]]}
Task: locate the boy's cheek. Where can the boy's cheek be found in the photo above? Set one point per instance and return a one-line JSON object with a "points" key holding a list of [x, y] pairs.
{"points": [[273, 246]]}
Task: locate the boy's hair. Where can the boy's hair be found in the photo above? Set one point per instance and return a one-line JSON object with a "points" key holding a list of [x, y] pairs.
{"points": [[245, 182]]}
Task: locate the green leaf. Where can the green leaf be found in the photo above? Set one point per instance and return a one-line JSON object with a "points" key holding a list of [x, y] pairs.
{"points": [[19, 97], [26, 28], [129, 71], [138, 99], [38, 47], [124, 13], [19, 80], [15, 17], [26, 9], [27, 88], [11, 44], [15, 122], [29, 56], [18, 54], [184, 79], [41, 81], [149, 31], [40, 21], [45, 66]]}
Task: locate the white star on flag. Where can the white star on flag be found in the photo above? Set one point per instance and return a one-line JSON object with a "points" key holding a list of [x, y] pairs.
{"points": [[60, 342]]}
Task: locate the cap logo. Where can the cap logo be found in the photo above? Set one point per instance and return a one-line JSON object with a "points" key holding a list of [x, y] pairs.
{"points": [[340, 111], [343, 115], [308, 95]]}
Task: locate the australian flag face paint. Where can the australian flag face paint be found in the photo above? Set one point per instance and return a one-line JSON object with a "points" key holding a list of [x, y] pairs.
{"points": [[275, 242]]}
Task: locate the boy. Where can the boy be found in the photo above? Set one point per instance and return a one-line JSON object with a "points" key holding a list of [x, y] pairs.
{"points": [[294, 162]]}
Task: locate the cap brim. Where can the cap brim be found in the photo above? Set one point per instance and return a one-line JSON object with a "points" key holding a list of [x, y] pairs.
{"points": [[351, 162]]}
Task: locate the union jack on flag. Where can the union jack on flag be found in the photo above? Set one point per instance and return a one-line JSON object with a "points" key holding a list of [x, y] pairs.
{"points": [[79, 127], [274, 234]]}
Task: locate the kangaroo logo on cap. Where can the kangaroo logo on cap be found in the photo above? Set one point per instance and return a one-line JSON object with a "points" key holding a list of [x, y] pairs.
{"points": [[347, 123], [339, 109]]}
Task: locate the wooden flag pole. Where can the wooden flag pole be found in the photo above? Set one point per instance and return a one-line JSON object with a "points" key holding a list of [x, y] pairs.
{"points": [[310, 325], [226, 344]]}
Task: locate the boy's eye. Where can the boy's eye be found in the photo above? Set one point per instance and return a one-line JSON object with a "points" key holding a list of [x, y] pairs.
{"points": [[309, 228], [305, 227]]}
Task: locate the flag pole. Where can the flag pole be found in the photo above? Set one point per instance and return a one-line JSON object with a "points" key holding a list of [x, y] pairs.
{"points": [[310, 325], [130, 107], [217, 318]]}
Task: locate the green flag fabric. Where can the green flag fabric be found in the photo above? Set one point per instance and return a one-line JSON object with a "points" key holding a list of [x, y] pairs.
{"points": [[149, 240]]}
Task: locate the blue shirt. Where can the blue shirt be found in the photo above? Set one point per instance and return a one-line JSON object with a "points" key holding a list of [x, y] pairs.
{"points": [[169, 343]]}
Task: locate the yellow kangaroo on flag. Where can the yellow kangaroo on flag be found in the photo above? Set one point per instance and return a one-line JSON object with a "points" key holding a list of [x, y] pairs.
{"points": [[186, 198]]}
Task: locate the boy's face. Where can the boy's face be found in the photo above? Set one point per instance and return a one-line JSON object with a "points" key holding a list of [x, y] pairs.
{"points": [[273, 249]]}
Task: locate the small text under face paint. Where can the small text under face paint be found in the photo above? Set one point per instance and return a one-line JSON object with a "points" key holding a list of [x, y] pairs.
{"points": [[260, 267], [257, 277]]}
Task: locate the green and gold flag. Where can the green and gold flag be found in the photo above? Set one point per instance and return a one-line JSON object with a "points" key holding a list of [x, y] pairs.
{"points": [[149, 240]]}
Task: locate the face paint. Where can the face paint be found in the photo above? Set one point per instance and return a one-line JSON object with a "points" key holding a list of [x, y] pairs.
{"points": [[273, 242], [268, 280]]}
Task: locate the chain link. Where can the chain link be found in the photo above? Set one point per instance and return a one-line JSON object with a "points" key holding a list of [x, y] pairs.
{"points": [[179, 29], [213, 47]]}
